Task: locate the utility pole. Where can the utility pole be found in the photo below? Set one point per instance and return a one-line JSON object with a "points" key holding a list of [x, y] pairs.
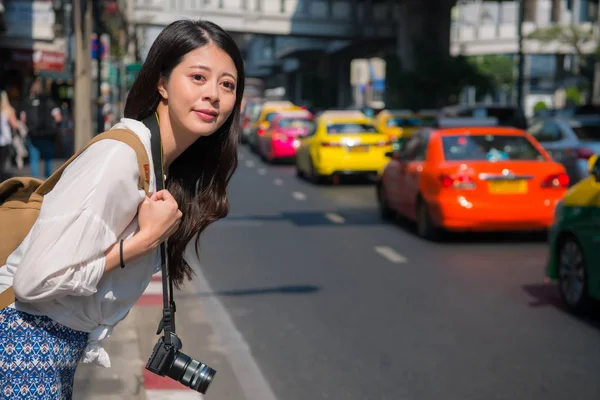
{"points": [[596, 93], [82, 104], [521, 65], [99, 33]]}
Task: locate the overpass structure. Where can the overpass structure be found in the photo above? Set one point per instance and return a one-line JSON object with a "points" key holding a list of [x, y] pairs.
{"points": [[309, 18], [301, 44], [309, 43]]}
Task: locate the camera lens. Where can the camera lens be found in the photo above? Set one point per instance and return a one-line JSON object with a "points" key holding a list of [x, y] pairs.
{"points": [[191, 373]]}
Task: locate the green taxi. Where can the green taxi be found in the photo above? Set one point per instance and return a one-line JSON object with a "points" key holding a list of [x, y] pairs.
{"points": [[575, 242]]}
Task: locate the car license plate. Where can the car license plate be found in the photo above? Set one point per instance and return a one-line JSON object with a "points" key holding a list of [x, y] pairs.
{"points": [[358, 149], [508, 187]]}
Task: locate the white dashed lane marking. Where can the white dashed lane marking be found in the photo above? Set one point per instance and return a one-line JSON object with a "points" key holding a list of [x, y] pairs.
{"points": [[278, 182], [390, 254], [299, 196], [335, 218], [250, 164], [262, 171]]}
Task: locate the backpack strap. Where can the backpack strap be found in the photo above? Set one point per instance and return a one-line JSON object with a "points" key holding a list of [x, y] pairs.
{"points": [[122, 135], [7, 297]]}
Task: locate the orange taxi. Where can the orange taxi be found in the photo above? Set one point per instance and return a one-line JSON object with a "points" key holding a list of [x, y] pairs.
{"points": [[480, 178]]}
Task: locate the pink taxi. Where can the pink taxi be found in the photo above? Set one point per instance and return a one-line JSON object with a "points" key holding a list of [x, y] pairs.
{"points": [[281, 139]]}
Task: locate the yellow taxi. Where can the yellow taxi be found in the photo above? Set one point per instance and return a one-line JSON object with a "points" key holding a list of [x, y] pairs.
{"points": [[397, 124], [263, 118], [342, 143]]}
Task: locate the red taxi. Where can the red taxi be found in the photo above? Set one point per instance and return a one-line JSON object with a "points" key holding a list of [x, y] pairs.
{"points": [[472, 179], [281, 140]]}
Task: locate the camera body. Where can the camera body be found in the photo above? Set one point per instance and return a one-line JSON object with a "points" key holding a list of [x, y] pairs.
{"points": [[167, 360]]}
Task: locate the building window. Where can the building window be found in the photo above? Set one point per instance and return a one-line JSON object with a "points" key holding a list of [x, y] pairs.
{"points": [[589, 10]]}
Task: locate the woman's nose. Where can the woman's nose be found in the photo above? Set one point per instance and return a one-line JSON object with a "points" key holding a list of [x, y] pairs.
{"points": [[211, 92]]}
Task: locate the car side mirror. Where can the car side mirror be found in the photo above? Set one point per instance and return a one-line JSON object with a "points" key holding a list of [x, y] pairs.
{"points": [[594, 167]]}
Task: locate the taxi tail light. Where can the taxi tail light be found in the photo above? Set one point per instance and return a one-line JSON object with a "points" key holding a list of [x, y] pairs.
{"points": [[581, 153], [261, 132], [330, 144], [556, 181], [462, 182]]}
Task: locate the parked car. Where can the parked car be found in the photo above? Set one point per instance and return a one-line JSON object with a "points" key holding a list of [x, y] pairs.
{"points": [[570, 141], [574, 260]]}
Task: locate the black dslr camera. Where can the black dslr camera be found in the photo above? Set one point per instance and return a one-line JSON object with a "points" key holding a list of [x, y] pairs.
{"points": [[166, 360]]}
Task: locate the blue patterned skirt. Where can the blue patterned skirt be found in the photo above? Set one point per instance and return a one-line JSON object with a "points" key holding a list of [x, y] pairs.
{"points": [[38, 356]]}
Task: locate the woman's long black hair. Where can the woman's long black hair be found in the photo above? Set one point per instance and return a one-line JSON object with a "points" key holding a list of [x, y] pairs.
{"points": [[198, 178]]}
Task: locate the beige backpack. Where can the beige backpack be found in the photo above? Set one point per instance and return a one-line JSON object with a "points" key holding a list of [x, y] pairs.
{"points": [[21, 199]]}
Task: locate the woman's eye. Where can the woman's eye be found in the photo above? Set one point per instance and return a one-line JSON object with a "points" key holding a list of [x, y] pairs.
{"points": [[197, 77], [229, 85]]}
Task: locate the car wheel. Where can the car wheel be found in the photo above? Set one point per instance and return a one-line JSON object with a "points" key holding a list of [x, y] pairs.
{"points": [[425, 227], [314, 176], [385, 211], [572, 275], [299, 172]]}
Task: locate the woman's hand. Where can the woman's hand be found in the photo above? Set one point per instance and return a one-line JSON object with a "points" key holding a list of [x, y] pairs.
{"points": [[158, 217]]}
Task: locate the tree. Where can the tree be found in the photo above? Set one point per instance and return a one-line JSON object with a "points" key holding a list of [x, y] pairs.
{"points": [[574, 36], [499, 69]]}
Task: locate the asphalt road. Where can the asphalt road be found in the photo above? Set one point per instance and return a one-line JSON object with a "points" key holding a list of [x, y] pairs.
{"points": [[336, 304]]}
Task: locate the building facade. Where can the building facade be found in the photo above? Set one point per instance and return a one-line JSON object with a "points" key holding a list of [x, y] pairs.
{"points": [[31, 44], [481, 28]]}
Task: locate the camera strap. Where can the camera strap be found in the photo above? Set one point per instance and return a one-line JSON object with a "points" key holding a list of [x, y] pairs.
{"points": [[167, 323]]}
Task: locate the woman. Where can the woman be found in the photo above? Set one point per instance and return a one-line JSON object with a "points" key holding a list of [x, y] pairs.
{"points": [[70, 287], [8, 122]]}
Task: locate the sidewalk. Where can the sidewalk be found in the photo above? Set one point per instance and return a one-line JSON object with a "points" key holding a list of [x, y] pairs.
{"points": [[124, 379], [131, 344]]}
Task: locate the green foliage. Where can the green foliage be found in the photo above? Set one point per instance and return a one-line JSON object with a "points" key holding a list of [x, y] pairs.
{"points": [[499, 69], [573, 95], [540, 106], [574, 36]]}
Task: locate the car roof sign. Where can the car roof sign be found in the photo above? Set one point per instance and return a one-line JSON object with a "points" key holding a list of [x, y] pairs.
{"points": [[342, 114]]}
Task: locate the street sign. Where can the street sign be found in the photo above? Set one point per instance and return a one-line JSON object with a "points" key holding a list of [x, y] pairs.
{"points": [[131, 72]]}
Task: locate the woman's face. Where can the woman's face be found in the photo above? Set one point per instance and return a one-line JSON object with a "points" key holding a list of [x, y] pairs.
{"points": [[201, 91]]}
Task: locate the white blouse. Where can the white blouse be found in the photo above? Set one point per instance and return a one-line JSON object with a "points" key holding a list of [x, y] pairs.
{"points": [[58, 269]]}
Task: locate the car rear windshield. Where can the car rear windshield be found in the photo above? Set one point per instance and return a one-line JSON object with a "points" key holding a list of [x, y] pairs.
{"points": [[270, 117], [489, 147], [428, 121], [401, 122], [587, 132], [296, 123], [350, 127]]}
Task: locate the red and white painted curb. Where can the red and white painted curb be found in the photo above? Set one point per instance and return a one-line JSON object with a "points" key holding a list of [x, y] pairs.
{"points": [[158, 387]]}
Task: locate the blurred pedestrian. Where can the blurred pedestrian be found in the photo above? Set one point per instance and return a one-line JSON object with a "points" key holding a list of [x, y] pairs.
{"points": [[8, 124], [42, 117], [95, 245]]}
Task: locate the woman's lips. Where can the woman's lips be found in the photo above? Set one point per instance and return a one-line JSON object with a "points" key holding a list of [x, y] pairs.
{"points": [[206, 115]]}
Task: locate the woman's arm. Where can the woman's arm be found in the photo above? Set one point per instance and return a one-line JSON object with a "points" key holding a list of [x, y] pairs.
{"points": [[12, 120], [133, 248], [72, 243]]}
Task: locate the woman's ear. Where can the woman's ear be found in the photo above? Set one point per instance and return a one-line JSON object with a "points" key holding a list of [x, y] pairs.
{"points": [[162, 89]]}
